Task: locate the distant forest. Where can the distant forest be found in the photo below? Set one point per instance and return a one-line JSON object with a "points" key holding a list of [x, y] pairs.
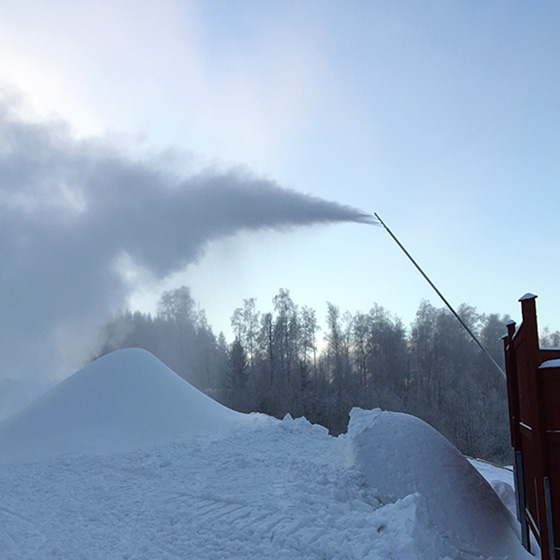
{"points": [[281, 362]]}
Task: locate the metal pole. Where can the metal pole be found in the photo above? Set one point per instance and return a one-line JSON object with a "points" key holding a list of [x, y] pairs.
{"points": [[520, 500], [440, 294], [549, 522]]}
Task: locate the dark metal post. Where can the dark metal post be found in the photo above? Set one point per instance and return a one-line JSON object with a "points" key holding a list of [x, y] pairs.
{"points": [[520, 499], [440, 295], [549, 523]]}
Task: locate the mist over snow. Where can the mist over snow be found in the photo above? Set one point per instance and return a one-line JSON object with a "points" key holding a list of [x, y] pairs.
{"points": [[124, 459], [76, 214]]}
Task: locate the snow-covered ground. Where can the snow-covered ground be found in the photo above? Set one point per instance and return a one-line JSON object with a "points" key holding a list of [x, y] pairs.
{"points": [[125, 460]]}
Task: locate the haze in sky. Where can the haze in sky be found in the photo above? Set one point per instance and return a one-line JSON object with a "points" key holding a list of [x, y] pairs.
{"points": [[442, 117]]}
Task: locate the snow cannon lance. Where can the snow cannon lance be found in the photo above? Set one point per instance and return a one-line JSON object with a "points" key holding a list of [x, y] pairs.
{"points": [[376, 220]]}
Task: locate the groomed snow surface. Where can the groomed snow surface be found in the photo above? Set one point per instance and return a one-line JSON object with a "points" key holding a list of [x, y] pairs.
{"points": [[125, 460]]}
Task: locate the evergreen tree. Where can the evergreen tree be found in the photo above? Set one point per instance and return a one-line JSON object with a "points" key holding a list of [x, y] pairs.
{"points": [[236, 381]]}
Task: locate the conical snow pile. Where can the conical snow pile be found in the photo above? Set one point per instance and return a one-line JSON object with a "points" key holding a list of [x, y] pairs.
{"points": [[123, 401]]}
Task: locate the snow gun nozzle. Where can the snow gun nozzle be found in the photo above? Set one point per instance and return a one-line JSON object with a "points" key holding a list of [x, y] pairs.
{"points": [[370, 219]]}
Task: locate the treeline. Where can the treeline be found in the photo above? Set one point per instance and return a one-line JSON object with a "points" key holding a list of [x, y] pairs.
{"points": [[280, 362]]}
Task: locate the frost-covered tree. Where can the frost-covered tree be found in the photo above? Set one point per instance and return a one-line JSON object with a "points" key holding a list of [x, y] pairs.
{"points": [[275, 364], [245, 325], [336, 363]]}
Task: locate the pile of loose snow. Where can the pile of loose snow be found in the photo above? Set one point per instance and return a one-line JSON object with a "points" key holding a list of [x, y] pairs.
{"points": [[122, 461], [403, 457], [120, 402]]}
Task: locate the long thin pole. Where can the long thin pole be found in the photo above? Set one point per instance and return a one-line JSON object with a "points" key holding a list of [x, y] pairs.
{"points": [[439, 294]]}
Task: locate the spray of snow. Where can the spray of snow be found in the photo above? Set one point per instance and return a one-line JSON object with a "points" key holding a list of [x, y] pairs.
{"points": [[73, 211]]}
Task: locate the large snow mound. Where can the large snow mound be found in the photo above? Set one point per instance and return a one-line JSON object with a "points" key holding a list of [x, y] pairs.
{"points": [[123, 401], [272, 490], [402, 456], [124, 459]]}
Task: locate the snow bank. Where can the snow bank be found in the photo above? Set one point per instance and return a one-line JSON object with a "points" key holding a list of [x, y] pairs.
{"points": [[123, 401], [402, 456], [126, 460], [270, 490]]}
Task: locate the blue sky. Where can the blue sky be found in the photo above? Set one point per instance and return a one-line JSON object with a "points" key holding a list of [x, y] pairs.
{"points": [[440, 116]]}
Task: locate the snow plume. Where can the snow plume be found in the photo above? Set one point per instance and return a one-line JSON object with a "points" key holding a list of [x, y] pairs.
{"points": [[72, 211]]}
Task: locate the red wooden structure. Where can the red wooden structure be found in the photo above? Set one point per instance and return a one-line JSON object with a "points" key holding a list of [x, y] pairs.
{"points": [[533, 384]]}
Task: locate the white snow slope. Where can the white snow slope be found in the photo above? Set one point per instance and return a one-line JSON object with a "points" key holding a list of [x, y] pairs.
{"points": [[125, 460]]}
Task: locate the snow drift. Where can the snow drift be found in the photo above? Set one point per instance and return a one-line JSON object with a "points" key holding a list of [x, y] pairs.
{"points": [[125, 459], [123, 401], [403, 456]]}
